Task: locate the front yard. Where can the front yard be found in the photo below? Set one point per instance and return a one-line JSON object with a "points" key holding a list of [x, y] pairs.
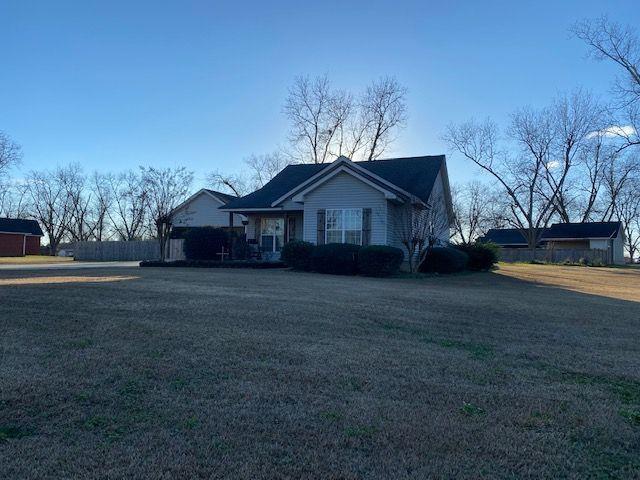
{"points": [[34, 259], [162, 373]]}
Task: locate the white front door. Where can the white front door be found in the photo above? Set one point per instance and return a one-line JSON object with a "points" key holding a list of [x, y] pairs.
{"points": [[271, 234]]}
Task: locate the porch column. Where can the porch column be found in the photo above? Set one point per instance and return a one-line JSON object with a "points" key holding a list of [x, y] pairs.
{"points": [[286, 228]]}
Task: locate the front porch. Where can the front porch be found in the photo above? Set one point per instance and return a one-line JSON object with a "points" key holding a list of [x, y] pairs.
{"points": [[269, 232]]}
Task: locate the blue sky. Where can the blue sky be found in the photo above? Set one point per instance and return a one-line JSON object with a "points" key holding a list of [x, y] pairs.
{"points": [[200, 83]]}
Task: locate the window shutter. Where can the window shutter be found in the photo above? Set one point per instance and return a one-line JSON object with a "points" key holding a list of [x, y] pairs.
{"points": [[321, 225], [366, 226]]}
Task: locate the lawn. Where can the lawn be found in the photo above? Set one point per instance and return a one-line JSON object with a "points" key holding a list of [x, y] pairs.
{"points": [[31, 259], [532, 371]]}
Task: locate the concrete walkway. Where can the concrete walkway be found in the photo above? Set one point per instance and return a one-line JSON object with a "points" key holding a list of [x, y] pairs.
{"points": [[68, 266]]}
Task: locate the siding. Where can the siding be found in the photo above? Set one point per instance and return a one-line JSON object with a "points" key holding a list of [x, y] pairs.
{"points": [[396, 216], [11, 244], [33, 245], [437, 199], [203, 211], [346, 191], [618, 249]]}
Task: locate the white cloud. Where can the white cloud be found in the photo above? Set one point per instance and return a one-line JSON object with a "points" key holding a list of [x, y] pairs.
{"points": [[615, 131], [553, 164]]}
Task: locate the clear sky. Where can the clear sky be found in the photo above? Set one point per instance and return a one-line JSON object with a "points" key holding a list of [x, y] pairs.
{"points": [[114, 84]]}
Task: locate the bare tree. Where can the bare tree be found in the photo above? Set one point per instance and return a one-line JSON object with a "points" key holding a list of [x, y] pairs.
{"points": [[316, 112], [102, 204], [130, 202], [619, 171], [421, 227], [533, 168], [10, 153], [49, 204], [628, 212], [592, 159], [166, 188], [80, 225], [326, 123], [619, 44], [262, 168], [471, 211], [238, 184], [521, 176], [13, 199], [572, 121], [384, 110], [611, 41]]}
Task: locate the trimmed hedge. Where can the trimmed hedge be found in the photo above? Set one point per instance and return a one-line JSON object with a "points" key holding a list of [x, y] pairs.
{"points": [[482, 256], [444, 260], [336, 258], [204, 243], [297, 254], [379, 260], [213, 264]]}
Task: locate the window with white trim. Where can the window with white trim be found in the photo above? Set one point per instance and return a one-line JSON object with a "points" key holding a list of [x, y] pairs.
{"points": [[343, 226]]}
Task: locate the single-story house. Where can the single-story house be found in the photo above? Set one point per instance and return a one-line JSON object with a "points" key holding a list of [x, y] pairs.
{"points": [[202, 210], [347, 202], [607, 236], [19, 237]]}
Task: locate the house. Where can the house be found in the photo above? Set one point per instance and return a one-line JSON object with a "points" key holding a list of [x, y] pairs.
{"points": [[202, 210], [346, 202], [580, 237], [19, 237], [607, 236]]}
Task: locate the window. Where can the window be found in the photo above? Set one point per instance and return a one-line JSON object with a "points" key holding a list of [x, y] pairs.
{"points": [[344, 226], [272, 234]]}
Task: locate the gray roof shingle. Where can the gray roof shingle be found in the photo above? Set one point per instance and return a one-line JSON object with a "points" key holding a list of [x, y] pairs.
{"points": [[559, 231], [504, 236], [20, 225], [415, 175], [225, 197]]}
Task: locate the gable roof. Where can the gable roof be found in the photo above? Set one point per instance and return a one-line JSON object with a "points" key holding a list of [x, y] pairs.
{"points": [[20, 225], [224, 197], [557, 231], [415, 175], [505, 236], [571, 231]]}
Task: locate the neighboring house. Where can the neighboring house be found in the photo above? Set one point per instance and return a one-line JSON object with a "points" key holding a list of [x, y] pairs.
{"points": [[607, 236], [346, 202], [201, 210], [19, 237]]}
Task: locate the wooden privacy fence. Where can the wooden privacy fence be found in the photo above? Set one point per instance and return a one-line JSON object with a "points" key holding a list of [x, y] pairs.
{"points": [[554, 255], [176, 249], [117, 251]]}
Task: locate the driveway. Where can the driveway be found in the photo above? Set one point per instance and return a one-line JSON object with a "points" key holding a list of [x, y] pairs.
{"points": [[68, 266]]}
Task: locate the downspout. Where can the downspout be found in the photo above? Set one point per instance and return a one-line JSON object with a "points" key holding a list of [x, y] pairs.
{"points": [[24, 245]]}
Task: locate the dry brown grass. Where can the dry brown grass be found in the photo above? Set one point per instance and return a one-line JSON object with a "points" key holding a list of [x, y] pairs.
{"points": [[35, 280], [34, 259], [274, 374], [620, 282]]}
